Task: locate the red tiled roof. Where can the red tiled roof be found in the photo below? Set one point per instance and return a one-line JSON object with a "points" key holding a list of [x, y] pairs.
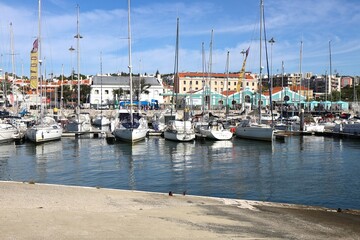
{"points": [[219, 75]]}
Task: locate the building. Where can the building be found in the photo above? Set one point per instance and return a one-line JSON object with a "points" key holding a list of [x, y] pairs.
{"points": [[102, 90]]}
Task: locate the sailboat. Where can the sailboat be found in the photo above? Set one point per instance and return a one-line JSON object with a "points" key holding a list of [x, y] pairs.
{"points": [[132, 126], [100, 119], [8, 132], [215, 129], [46, 129], [181, 130], [249, 128], [80, 122]]}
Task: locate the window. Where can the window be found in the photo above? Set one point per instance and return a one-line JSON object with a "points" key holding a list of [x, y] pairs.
{"points": [[96, 91], [184, 89], [106, 91], [184, 82], [197, 82]]}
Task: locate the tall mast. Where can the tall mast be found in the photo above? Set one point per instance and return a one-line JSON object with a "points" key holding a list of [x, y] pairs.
{"points": [[330, 75], [101, 90], [210, 66], [78, 36], [40, 61], [203, 77], [261, 67], [227, 83], [176, 66], [130, 66], [301, 47], [12, 61]]}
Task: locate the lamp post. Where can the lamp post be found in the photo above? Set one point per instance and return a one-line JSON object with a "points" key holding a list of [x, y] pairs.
{"points": [[71, 49], [271, 41], [243, 52]]}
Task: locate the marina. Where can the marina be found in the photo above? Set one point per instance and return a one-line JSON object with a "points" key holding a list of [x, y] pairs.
{"points": [[309, 170]]}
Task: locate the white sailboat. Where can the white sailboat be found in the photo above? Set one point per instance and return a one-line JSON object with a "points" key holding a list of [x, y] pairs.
{"points": [[179, 130], [255, 129], [80, 122], [214, 129], [101, 119], [132, 126], [46, 129], [8, 132]]}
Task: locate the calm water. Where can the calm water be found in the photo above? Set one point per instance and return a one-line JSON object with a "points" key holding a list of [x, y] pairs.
{"points": [[304, 170]]}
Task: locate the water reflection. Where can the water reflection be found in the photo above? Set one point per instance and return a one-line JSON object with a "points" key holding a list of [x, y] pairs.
{"points": [[6, 152], [306, 170]]}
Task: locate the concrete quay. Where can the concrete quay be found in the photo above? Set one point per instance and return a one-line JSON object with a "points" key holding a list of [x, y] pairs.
{"points": [[41, 211]]}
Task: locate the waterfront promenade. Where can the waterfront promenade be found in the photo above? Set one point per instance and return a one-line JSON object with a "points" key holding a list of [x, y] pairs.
{"points": [[40, 211]]}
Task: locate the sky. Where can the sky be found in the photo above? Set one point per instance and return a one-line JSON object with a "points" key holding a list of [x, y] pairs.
{"points": [[305, 33]]}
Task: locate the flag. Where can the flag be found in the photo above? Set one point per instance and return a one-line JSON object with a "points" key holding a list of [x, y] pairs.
{"points": [[35, 46], [242, 72], [34, 65]]}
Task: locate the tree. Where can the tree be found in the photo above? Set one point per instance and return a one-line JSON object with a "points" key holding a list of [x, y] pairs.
{"points": [[141, 88], [118, 92]]}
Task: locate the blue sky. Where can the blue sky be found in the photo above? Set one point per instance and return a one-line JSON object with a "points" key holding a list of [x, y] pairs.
{"points": [[103, 25]]}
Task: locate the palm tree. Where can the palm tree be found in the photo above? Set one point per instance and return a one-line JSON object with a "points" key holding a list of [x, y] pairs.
{"points": [[141, 88]]}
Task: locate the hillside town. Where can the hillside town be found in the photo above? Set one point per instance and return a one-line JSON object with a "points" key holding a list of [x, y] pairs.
{"points": [[200, 90]]}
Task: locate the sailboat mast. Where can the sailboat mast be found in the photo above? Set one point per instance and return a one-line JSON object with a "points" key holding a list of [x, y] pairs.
{"points": [[300, 84], [78, 53], [12, 60], [40, 61], [210, 66], [101, 91], [260, 50], [330, 75], [130, 66], [203, 77], [227, 83], [176, 66]]}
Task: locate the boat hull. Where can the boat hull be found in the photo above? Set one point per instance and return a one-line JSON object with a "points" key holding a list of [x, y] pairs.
{"points": [[8, 133], [178, 136], [216, 134], [101, 121], [130, 134], [257, 132], [178, 130], [39, 134]]}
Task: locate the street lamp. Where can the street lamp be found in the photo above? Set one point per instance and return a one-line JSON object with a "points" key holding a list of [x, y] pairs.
{"points": [[243, 52], [71, 49], [271, 41]]}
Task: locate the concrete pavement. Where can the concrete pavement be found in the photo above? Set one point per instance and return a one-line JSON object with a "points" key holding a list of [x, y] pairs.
{"points": [[40, 211]]}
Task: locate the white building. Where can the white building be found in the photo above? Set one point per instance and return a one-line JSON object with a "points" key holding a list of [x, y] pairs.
{"points": [[102, 89]]}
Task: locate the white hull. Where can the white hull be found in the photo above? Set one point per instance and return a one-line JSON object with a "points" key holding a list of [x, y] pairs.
{"points": [[38, 133], [215, 131], [179, 136], [213, 134], [256, 132], [8, 133], [79, 123], [130, 134], [101, 121], [181, 131]]}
